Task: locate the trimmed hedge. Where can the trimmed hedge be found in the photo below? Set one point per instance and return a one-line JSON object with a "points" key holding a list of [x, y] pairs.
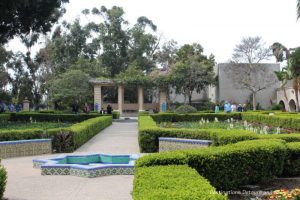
{"points": [[278, 120], [292, 162], [48, 117], [116, 115], [4, 118], [173, 117], [149, 134], [231, 166], [3, 180], [85, 130], [63, 139], [172, 182]]}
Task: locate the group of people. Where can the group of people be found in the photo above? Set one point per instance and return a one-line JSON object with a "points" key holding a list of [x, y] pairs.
{"points": [[11, 107], [231, 108], [108, 110]]}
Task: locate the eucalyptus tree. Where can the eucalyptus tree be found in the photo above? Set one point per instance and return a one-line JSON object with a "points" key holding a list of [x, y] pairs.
{"points": [[143, 44]]}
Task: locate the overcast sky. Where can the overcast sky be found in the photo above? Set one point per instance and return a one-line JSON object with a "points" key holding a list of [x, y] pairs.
{"points": [[218, 25]]}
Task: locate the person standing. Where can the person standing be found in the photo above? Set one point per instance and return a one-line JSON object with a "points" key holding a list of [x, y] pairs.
{"points": [[109, 109]]}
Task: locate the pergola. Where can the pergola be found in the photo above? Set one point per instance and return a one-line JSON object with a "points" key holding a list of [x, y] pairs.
{"points": [[121, 106]]}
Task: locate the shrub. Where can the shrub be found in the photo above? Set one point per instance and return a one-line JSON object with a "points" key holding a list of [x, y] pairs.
{"points": [[48, 117], [292, 162], [185, 109], [278, 120], [231, 166], [85, 130], [143, 113], [116, 115], [275, 106], [149, 134], [3, 180], [4, 118], [174, 117], [63, 139], [172, 182]]}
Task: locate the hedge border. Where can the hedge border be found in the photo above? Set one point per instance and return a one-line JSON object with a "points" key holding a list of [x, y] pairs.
{"points": [[172, 182], [228, 167], [63, 139]]}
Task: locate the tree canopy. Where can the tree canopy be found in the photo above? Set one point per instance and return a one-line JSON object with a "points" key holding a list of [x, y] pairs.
{"points": [[24, 16]]}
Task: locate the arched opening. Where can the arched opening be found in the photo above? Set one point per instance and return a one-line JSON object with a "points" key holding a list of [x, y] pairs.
{"points": [[282, 105], [292, 105]]}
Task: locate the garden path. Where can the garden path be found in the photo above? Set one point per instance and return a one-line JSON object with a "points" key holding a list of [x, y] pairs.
{"points": [[26, 183]]}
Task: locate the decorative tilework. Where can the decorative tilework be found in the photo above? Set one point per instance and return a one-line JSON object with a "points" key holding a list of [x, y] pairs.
{"points": [[18, 148], [170, 144], [89, 166]]}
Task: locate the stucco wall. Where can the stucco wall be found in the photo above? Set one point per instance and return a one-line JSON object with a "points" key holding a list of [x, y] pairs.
{"points": [[227, 90]]}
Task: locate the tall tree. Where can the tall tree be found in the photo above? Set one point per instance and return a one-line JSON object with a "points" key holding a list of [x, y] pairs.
{"points": [[246, 70], [193, 71], [166, 56], [113, 38], [143, 44], [24, 16], [66, 89]]}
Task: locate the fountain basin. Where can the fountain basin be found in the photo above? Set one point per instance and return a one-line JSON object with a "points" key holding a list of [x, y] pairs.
{"points": [[87, 165]]}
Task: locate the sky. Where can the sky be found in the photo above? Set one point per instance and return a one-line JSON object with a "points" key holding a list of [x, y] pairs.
{"points": [[217, 25]]}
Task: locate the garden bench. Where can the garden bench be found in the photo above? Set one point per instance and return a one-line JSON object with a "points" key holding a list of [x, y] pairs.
{"points": [[169, 144]]}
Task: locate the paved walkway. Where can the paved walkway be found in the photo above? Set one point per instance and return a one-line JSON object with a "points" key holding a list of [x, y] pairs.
{"points": [[26, 183]]}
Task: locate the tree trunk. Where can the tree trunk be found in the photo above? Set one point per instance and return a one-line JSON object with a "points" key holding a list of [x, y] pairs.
{"points": [[254, 100]]}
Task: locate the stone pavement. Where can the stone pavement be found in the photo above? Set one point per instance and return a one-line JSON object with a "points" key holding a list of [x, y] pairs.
{"points": [[26, 183]]}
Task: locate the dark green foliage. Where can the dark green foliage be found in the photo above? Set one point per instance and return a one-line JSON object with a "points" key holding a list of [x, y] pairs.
{"points": [[185, 109], [149, 134], [172, 182], [278, 120], [116, 115], [292, 162], [3, 180], [63, 139], [143, 113], [174, 117], [85, 130], [231, 166], [49, 117], [23, 17], [4, 118]]}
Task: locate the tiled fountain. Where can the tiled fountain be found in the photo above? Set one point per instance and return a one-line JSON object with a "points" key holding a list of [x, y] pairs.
{"points": [[88, 165]]}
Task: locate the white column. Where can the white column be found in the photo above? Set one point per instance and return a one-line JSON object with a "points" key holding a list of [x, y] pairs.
{"points": [[26, 105], [97, 97], [141, 98], [120, 98]]}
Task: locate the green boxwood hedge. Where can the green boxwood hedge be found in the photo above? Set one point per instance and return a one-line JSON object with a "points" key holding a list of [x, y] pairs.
{"points": [[174, 117], [278, 120], [3, 180], [49, 117], [4, 118], [231, 166], [292, 162], [149, 133], [172, 182], [63, 139]]}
